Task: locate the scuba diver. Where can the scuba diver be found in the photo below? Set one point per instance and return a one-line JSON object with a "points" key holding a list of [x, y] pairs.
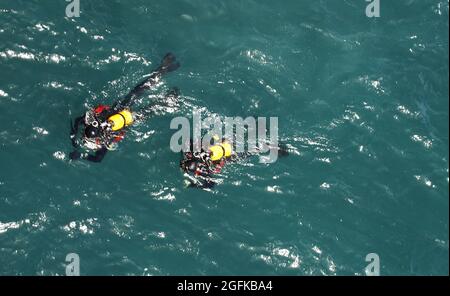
{"points": [[200, 167], [104, 126]]}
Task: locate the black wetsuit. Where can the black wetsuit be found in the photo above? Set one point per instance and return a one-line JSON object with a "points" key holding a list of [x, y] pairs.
{"points": [[168, 64], [202, 170]]}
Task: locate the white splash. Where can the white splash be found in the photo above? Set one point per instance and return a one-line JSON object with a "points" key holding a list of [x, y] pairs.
{"points": [[317, 250], [82, 29], [141, 137], [17, 55], [405, 111], [325, 186], [59, 155], [282, 252], [258, 56], [274, 189], [351, 116], [165, 194], [134, 57], [427, 143], [4, 227], [296, 263], [425, 181], [55, 58], [40, 130], [285, 253], [326, 160], [84, 226], [42, 27]]}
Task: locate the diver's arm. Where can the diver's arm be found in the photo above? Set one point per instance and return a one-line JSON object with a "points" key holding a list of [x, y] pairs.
{"points": [[98, 156]]}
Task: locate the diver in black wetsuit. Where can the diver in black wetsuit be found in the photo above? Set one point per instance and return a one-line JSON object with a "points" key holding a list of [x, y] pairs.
{"points": [[104, 126], [200, 167]]}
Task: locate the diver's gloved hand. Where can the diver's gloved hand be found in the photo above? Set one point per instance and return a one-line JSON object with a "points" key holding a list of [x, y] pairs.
{"points": [[75, 155]]}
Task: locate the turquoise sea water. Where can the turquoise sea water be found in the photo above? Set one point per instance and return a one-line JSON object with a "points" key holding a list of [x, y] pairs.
{"points": [[362, 103]]}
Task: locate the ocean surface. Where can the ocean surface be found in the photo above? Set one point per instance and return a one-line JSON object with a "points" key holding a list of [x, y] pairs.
{"points": [[362, 104]]}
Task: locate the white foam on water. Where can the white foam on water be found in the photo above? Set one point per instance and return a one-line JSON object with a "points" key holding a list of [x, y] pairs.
{"points": [[317, 250], [55, 58], [4, 227], [17, 55], [40, 130], [424, 180], [427, 143], [325, 186], [42, 27], [59, 155], [274, 189]]}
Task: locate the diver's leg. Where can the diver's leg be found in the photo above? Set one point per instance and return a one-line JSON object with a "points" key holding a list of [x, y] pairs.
{"points": [[168, 64], [283, 150], [207, 184], [169, 99]]}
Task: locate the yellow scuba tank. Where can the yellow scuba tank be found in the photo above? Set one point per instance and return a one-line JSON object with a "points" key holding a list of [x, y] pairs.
{"points": [[223, 150], [121, 120]]}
